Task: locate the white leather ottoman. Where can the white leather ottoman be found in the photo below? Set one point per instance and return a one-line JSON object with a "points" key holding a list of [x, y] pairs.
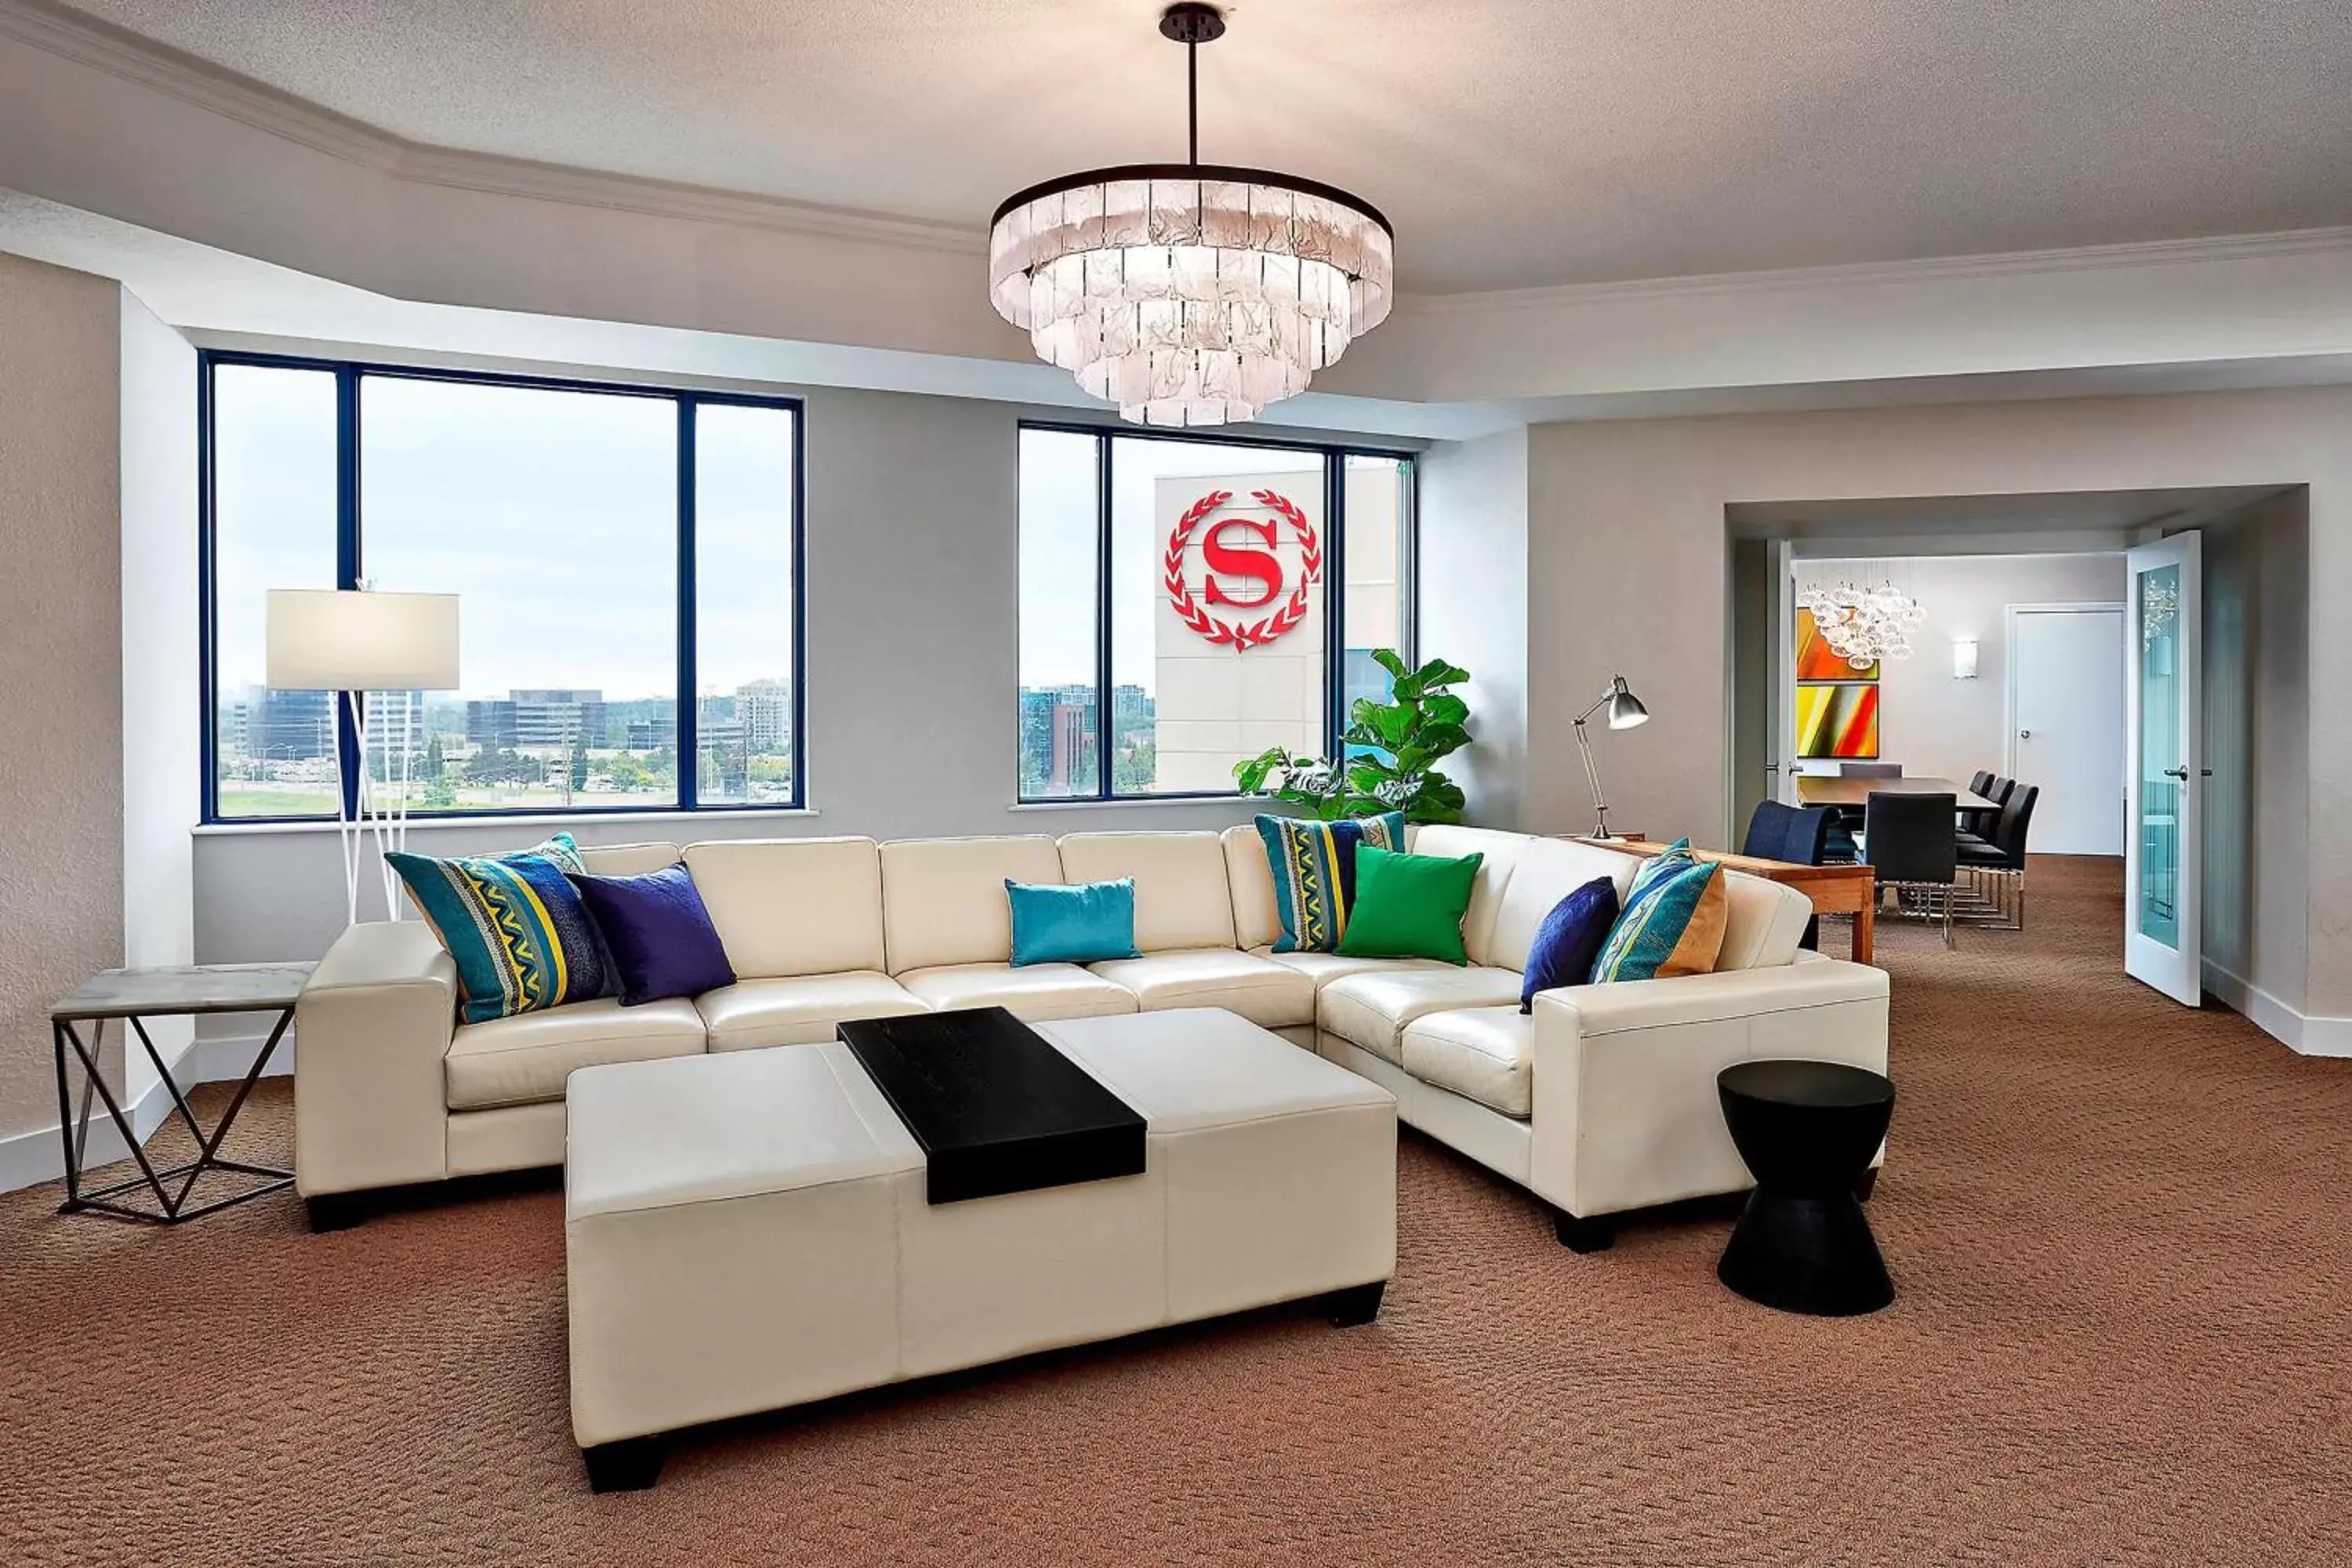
{"points": [[748, 1230]]}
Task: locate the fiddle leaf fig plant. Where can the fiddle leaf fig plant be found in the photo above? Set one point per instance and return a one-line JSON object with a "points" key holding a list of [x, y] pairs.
{"points": [[1389, 753]]}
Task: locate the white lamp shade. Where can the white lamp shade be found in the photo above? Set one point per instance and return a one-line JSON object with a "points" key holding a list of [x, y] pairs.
{"points": [[326, 639]]}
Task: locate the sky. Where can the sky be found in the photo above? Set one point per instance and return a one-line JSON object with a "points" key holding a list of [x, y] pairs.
{"points": [[551, 515]]}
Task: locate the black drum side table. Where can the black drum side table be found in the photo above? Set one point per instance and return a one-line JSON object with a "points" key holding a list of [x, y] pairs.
{"points": [[132, 995], [1808, 1131]]}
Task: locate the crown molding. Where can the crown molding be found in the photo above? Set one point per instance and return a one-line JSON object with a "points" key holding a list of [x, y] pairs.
{"points": [[1865, 274], [53, 28]]}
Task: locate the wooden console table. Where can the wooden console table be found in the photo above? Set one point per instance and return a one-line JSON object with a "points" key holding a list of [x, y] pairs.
{"points": [[1839, 889]]}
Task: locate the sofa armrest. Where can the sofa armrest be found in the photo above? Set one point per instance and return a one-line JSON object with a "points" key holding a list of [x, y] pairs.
{"points": [[1625, 1110], [372, 1025]]}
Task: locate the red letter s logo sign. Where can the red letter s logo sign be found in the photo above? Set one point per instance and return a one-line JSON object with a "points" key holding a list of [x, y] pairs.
{"points": [[1258, 565]]}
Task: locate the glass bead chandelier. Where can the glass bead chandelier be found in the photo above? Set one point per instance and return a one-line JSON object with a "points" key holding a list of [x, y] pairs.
{"points": [[1863, 624], [1192, 293]]}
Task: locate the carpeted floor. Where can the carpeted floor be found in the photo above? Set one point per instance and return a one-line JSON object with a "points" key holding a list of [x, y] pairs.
{"points": [[2118, 1228]]}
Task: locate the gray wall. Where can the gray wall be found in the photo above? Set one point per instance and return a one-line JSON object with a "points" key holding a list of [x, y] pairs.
{"points": [[1473, 601], [60, 664], [2258, 709], [1628, 569], [913, 666]]}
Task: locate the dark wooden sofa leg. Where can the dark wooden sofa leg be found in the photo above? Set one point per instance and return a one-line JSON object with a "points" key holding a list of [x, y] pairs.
{"points": [[1356, 1305], [631, 1465], [338, 1210], [1866, 1183], [1583, 1235]]}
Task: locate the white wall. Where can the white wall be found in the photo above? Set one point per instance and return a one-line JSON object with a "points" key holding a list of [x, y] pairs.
{"points": [[1627, 568], [161, 701], [913, 653], [1473, 592], [61, 869], [2258, 713], [1928, 721]]}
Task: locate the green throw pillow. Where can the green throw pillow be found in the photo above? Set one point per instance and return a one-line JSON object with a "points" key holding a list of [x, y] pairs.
{"points": [[1409, 905]]}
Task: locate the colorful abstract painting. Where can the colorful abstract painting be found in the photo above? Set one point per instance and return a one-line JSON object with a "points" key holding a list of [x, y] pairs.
{"points": [[1838, 721], [1816, 660]]}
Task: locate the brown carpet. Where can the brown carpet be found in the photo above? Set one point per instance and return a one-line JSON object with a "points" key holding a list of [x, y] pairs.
{"points": [[2118, 1228]]}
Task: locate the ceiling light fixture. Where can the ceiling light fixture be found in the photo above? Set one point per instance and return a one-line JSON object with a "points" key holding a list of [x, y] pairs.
{"points": [[1190, 293]]}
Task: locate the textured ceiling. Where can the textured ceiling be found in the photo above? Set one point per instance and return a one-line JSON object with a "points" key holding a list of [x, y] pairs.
{"points": [[1514, 142]]}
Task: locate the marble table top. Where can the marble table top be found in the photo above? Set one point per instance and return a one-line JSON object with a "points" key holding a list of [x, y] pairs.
{"points": [[188, 988]]}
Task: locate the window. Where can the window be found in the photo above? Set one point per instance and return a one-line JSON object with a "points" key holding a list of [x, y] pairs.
{"points": [[1176, 616], [612, 549]]}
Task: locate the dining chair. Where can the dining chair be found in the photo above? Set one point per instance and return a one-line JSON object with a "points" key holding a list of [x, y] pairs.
{"points": [[1980, 819], [1911, 842], [1997, 860], [1797, 833]]}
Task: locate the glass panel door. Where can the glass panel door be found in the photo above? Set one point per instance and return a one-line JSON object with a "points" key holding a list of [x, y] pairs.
{"points": [[2165, 701]]}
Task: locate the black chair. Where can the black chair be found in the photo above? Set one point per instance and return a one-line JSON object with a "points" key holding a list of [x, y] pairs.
{"points": [[1998, 858], [1977, 819], [1797, 833], [1911, 842]]}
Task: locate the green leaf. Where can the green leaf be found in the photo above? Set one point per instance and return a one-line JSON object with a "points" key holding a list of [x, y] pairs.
{"points": [[1389, 659], [1441, 740], [1446, 709]]}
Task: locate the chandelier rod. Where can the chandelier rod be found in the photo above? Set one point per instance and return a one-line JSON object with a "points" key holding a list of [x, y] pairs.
{"points": [[1192, 100]]}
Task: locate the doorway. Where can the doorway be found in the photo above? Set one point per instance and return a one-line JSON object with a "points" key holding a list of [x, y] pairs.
{"points": [[2065, 729]]}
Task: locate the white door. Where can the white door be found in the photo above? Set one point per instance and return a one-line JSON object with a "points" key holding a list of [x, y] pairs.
{"points": [[2067, 724], [2164, 689]]}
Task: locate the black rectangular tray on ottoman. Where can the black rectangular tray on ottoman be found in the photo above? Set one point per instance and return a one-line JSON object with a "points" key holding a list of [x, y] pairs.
{"points": [[996, 1108]]}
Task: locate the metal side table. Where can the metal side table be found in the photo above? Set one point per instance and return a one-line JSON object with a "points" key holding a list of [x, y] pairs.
{"points": [[133, 995]]}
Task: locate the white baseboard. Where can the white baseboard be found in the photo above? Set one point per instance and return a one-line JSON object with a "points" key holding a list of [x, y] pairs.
{"points": [[30, 1158], [2297, 1030]]}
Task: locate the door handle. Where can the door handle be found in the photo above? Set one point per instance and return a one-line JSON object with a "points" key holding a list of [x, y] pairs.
{"points": [[2025, 734], [2180, 773]]}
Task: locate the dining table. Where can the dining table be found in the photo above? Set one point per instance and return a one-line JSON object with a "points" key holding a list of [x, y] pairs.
{"points": [[1821, 789]]}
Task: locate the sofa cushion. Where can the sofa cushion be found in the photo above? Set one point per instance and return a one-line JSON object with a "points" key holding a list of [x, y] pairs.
{"points": [[1313, 864], [658, 933], [1036, 992], [1373, 1010], [1181, 897], [1323, 968], [1763, 922], [943, 899], [1481, 1053], [629, 859], [514, 924], [1546, 871], [1257, 920], [1409, 905], [1501, 852], [1082, 923], [1269, 994], [799, 1010], [793, 906], [524, 1060]]}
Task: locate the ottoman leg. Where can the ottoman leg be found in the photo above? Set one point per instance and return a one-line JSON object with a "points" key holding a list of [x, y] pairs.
{"points": [[631, 1465], [1583, 1235], [1355, 1306]]}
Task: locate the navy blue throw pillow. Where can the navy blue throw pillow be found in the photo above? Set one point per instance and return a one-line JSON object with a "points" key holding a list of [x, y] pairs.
{"points": [[1568, 939], [659, 935]]}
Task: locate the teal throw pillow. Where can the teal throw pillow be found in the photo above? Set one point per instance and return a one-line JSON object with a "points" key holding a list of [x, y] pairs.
{"points": [[1314, 865], [1409, 906], [514, 923], [1085, 923], [1672, 925]]}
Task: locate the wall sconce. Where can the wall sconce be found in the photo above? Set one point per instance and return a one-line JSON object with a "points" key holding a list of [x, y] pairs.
{"points": [[1964, 658]]}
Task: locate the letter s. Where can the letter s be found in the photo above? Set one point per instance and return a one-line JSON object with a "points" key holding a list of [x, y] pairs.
{"points": [[1258, 565]]}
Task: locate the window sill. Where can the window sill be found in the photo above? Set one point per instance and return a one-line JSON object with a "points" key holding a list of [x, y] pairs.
{"points": [[565, 819], [1143, 803]]}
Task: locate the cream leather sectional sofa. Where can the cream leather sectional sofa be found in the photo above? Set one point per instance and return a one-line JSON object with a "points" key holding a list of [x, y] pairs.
{"points": [[1601, 1101]]}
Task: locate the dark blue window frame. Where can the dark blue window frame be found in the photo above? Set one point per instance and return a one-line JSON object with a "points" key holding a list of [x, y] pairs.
{"points": [[348, 569], [1335, 456]]}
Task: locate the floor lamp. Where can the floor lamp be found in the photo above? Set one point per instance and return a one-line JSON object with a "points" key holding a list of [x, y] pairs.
{"points": [[1625, 711], [352, 642]]}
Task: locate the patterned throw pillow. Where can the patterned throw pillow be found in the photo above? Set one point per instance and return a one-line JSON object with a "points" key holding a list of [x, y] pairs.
{"points": [[1314, 865], [1672, 920], [521, 936]]}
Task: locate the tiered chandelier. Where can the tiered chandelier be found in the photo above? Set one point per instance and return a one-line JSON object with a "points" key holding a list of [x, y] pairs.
{"points": [[1863, 624], [1190, 293]]}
